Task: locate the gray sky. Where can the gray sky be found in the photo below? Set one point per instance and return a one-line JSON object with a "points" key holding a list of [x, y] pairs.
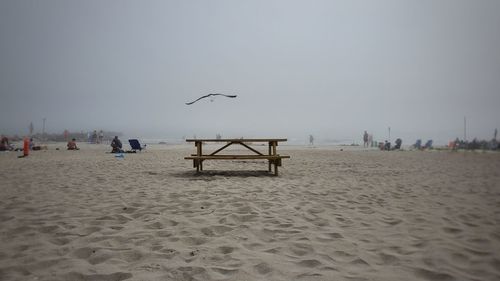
{"points": [[328, 68]]}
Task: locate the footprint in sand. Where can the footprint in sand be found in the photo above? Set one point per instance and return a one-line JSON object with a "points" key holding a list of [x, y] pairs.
{"points": [[48, 229], [263, 268], [190, 240], [225, 249], [432, 275], [131, 255], [117, 276], [83, 253], [226, 272], [99, 258], [451, 230], [216, 230], [388, 259], [59, 241], [359, 261], [309, 263], [156, 225], [301, 249]]}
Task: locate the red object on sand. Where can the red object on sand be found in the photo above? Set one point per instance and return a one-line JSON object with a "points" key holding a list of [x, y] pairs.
{"points": [[26, 147]]}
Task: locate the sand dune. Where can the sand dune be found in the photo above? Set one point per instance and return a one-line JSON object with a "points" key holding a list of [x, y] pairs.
{"points": [[330, 215]]}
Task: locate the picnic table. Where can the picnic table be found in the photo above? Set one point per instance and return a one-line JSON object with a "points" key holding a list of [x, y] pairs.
{"points": [[273, 158]]}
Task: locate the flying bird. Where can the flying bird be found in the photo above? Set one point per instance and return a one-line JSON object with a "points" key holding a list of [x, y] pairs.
{"points": [[209, 95]]}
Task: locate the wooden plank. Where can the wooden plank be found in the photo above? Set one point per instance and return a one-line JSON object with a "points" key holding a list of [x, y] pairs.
{"points": [[258, 152], [222, 148], [232, 157], [236, 140]]}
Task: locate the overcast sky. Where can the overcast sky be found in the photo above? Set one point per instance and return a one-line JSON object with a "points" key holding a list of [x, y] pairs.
{"points": [[328, 68]]}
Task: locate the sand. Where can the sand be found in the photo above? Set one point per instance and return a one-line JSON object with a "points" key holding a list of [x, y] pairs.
{"points": [[330, 215]]}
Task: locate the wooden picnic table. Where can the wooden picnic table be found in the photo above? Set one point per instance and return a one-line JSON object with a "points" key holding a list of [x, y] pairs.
{"points": [[272, 156]]}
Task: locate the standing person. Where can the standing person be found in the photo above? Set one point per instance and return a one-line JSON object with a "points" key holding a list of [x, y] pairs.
{"points": [[94, 137], [116, 144], [365, 139], [101, 136], [311, 140]]}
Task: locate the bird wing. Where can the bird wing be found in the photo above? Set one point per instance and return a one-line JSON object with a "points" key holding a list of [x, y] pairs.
{"points": [[206, 96], [229, 96]]}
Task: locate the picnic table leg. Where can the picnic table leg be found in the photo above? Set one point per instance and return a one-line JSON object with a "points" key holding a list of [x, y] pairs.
{"points": [[275, 161], [198, 153], [201, 161], [269, 168]]}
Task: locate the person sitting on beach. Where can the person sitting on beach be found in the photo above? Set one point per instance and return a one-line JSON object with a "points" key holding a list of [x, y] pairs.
{"points": [[116, 144], [4, 144], [387, 145], [398, 144], [32, 145], [72, 145]]}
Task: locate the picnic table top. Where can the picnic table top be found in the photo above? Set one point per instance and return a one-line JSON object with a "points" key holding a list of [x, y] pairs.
{"points": [[235, 140]]}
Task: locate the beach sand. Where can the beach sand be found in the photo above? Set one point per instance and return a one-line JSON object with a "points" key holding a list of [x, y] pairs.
{"points": [[330, 215]]}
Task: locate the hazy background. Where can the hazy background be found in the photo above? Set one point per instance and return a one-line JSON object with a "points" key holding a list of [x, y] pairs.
{"points": [[328, 68]]}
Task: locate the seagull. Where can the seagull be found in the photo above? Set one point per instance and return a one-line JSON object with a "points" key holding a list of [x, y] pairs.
{"points": [[209, 95]]}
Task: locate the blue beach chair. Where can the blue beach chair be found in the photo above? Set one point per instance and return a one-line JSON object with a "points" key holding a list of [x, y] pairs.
{"points": [[135, 145]]}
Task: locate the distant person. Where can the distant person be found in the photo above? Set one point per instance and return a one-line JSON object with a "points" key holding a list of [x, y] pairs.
{"points": [[101, 136], [94, 137], [365, 139], [4, 144], [32, 145], [381, 146], [116, 144], [387, 145], [311, 140], [397, 144], [72, 145]]}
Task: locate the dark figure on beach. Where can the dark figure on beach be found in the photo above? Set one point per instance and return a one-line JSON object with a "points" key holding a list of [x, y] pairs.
{"points": [[311, 140], [397, 144], [418, 144], [387, 145], [4, 144], [72, 145], [365, 139], [32, 145], [94, 137], [116, 144]]}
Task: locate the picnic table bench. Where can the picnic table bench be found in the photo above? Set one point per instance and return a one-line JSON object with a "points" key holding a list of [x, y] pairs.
{"points": [[273, 158]]}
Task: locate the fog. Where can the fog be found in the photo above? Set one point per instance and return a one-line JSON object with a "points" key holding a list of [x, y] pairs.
{"points": [[328, 68]]}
